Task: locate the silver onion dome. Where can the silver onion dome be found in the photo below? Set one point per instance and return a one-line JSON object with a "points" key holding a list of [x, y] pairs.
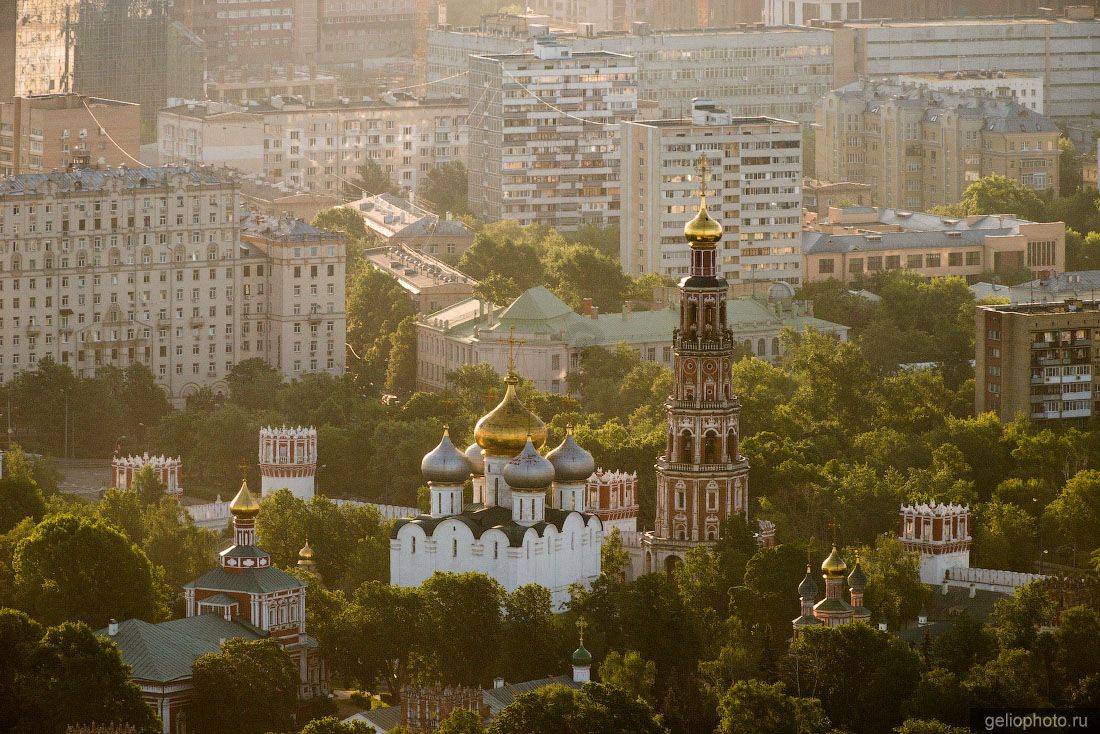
{"points": [[476, 459], [445, 464], [571, 462], [529, 469]]}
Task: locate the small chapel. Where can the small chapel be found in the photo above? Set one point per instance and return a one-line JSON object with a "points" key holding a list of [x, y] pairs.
{"points": [[528, 521], [833, 610]]}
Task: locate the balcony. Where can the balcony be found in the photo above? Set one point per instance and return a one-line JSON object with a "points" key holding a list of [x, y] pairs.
{"points": [[676, 466], [1077, 395], [197, 321]]}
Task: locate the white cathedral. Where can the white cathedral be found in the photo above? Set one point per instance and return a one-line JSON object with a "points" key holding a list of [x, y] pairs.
{"points": [[508, 532]]}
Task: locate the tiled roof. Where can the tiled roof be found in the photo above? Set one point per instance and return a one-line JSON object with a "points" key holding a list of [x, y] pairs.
{"points": [[480, 518], [166, 652], [383, 719], [251, 581]]}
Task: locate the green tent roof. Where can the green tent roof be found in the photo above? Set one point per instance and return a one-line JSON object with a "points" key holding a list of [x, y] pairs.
{"points": [[249, 581]]}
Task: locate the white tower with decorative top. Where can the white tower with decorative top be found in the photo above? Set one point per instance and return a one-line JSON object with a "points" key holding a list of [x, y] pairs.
{"points": [[940, 533], [288, 459], [124, 469]]}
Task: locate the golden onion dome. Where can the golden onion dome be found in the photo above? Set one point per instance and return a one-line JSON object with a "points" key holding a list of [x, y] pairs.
{"points": [[245, 504], [306, 554], [503, 431], [834, 566], [702, 231]]}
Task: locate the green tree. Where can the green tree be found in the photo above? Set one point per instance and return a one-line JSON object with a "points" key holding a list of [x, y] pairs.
{"points": [[967, 643], [1077, 646], [341, 220], [79, 568], [470, 601], [1004, 537], [1011, 679], [497, 289], [445, 188], [370, 180], [575, 272], [122, 508], [1000, 195], [509, 250], [253, 383], [533, 637], [1075, 512], [1069, 167], [224, 696], [614, 560], [630, 673], [173, 542], [833, 662], [928, 726], [594, 707], [333, 725], [755, 706], [376, 304], [1017, 619], [894, 589], [147, 485], [401, 364], [462, 721], [19, 494], [62, 676]]}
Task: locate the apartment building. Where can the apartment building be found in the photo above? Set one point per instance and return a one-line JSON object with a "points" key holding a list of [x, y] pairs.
{"points": [[148, 265], [1026, 89], [749, 71], [431, 283], [1064, 51], [210, 133], [320, 146], [919, 148], [799, 12], [855, 242], [544, 135], [1037, 359], [397, 221], [48, 132], [756, 166]]}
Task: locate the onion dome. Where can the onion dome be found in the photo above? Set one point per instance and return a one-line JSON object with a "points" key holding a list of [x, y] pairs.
{"points": [[571, 462], [581, 657], [244, 506], [529, 470], [808, 588], [476, 460], [506, 428], [306, 553], [857, 579], [834, 566], [445, 464], [703, 232]]}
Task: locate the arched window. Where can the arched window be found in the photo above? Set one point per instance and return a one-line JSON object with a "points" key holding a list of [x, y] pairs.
{"points": [[685, 453], [761, 347], [731, 446], [711, 448], [775, 346]]}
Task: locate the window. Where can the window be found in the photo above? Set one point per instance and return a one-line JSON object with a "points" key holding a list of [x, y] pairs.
{"points": [[874, 262], [954, 259], [825, 265], [893, 262], [914, 262], [932, 261]]}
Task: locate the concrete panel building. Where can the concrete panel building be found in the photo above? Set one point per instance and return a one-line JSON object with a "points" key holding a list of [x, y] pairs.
{"points": [[150, 266], [1025, 89], [919, 148], [755, 192], [749, 71], [210, 133], [1037, 359], [50, 132], [544, 144]]}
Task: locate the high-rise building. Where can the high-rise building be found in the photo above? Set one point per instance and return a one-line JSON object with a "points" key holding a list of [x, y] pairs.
{"points": [[265, 31], [803, 12], [1037, 359], [544, 135], [54, 131], [36, 45], [749, 71], [756, 193], [153, 266], [702, 479], [919, 148], [132, 50], [1023, 88]]}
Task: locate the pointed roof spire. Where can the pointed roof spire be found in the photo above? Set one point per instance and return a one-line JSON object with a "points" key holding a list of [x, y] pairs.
{"points": [[244, 506]]}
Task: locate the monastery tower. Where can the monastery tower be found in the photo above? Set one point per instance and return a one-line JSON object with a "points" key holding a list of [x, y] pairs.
{"points": [[288, 459], [702, 480]]}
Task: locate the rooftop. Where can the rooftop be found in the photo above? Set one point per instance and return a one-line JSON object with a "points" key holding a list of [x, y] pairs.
{"points": [[390, 215], [265, 225], [414, 269], [1069, 305], [96, 179], [480, 519], [251, 581], [165, 652]]}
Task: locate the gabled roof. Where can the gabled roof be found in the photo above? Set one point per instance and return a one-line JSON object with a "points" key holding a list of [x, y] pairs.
{"points": [[250, 581], [497, 698], [165, 652], [537, 304]]}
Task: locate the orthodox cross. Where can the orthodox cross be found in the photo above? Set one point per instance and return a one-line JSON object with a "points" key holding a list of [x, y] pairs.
{"points": [[581, 626], [512, 343], [833, 525], [701, 167], [243, 469]]}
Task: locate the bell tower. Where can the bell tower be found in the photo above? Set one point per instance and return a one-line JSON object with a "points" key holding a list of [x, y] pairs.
{"points": [[701, 477]]}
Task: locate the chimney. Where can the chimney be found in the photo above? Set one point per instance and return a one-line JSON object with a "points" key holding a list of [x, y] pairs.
{"points": [[595, 312], [112, 627], [586, 307], [498, 683]]}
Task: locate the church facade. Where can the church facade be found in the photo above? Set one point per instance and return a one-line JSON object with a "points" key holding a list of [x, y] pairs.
{"points": [[702, 479], [834, 610], [528, 521]]}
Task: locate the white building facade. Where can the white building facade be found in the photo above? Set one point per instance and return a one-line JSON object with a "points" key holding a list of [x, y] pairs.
{"points": [[146, 266], [543, 132], [802, 12], [508, 533], [288, 460], [756, 193], [1026, 89]]}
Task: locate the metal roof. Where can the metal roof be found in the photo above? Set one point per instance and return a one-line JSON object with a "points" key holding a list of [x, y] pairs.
{"points": [[249, 581]]}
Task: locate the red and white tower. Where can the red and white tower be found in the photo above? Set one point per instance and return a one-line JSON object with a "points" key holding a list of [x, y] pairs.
{"points": [[940, 533], [288, 460], [701, 478]]}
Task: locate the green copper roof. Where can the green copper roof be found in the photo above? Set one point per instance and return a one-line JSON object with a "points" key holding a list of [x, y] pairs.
{"points": [[536, 304], [249, 581], [581, 657], [165, 652], [834, 606]]}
